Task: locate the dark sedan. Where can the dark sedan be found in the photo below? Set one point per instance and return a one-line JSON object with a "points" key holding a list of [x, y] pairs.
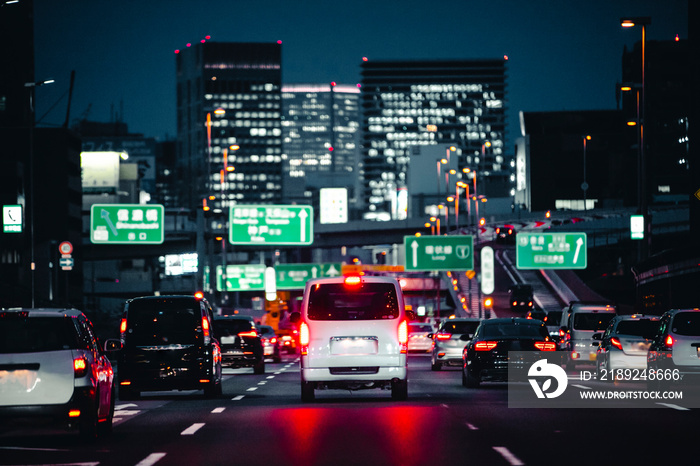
{"points": [[241, 344], [486, 357]]}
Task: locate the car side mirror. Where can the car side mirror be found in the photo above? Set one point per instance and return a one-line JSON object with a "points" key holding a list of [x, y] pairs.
{"points": [[295, 317], [113, 345]]}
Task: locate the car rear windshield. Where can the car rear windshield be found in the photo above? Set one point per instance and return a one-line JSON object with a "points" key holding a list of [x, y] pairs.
{"points": [[641, 328], [36, 334], [230, 327], [418, 328], [592, 320], [686, 323], [460, 327], [370, 301], [167, 321], [509, 330]]}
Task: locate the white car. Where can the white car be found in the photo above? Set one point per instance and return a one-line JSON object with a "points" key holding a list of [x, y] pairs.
{"points": [[624, 345], [674, 353], [418, 339], [52, 368], [353, 335]]}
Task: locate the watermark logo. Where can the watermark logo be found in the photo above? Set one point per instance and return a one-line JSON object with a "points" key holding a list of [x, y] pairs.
{"points": [[545, 372]]}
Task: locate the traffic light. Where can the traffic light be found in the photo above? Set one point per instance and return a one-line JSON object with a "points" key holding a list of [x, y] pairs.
{"points": [[381, 257], [488, 306]]}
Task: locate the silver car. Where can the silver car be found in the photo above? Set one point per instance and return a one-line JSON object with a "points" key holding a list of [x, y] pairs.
{"points": [[419, 340], [449, 341], [624, 345], [674, 353]]}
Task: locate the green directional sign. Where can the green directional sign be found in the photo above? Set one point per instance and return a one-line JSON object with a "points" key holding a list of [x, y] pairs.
{"points": [[454, 252], [271, 224], [241, 277], [551, 251], [294, 276], [127, 224]]}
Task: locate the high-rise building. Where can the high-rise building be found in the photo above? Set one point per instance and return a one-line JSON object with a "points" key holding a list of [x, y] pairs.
{"points": [[460, 103], [229, 136], [320, 130]]}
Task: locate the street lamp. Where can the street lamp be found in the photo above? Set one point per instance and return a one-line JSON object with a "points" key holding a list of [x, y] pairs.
{"points": [[643, 206], [584, 185], [32, 86]]}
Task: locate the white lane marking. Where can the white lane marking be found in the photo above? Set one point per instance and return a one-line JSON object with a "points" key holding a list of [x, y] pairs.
{"points": [[238, 398], [581, 386], [271, 377], [192, 429], [151, 459], [472, 427], [671, 405], [278, 372], [126, 412], [262, 382], [511, 458], [126, 405], [252, 389], [217, 410]]}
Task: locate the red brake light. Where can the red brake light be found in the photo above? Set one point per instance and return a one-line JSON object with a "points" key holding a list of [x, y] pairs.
{"points": [[403, 335], [668, 341], [80, 366], [252, 334], [562, 333], [304, 337], [353, 280], [199, 295], [545, 345], [273, 340], [616, 343], [515, 303], [443, 336], [485, 345], [122, 326]]}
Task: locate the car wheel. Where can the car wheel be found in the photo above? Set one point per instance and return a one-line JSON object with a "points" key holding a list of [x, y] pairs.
{"points": [[259, 367], [307, 391], [436, 366], [399, 390], [469, 380]]}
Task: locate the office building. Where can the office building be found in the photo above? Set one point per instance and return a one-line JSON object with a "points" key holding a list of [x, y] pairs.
{"points": [[229, 136], [460, 103]]}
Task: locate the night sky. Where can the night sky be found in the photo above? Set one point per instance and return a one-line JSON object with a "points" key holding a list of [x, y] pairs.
{"points": [[563, 54]]}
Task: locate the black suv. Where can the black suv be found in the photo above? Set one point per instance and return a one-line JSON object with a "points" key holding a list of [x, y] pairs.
{"points": [[521, 297], [241, 344], [168, 343]]}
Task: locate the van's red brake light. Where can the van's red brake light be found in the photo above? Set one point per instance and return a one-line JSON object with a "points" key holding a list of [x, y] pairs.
{"points": [[353, 280], [304, 338]]}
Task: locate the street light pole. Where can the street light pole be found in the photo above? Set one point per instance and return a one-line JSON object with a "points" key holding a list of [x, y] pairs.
{"points": [[584, 185], [32, 86]]}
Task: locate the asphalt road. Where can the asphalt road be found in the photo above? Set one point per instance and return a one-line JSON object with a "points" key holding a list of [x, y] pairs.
{"points": [[260, 420]]}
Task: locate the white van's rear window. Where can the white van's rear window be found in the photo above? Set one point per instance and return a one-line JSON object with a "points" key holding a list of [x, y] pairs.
{"points": [[370, 301]]}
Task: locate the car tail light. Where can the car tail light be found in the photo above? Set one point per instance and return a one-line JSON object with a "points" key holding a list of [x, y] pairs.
{"points": [[443, 336], [74, 413], [273, 340], [80, 367], [562, 333], [485, 345], [403, 336], [122, 326], [251, 334], [304, 338], [352, 281], [545, 345], [529, 304], [515, 303], [668, 342], [616, 343]]}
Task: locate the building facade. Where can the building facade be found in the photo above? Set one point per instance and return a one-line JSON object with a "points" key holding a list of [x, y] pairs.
{"points": [[405, 104], [229, 135]]}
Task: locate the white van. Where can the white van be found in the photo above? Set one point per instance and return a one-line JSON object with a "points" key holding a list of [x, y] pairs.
{"points": [[578, 324], [353, 335]]}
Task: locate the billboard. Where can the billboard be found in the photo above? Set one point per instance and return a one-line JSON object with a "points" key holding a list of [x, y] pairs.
{"points": [[100, 171]]}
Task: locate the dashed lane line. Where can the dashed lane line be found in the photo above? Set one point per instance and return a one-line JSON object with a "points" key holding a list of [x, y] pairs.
{"points": [[151, 459], [510, 457]]}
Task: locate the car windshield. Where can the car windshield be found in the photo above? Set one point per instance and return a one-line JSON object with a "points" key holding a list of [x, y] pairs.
{"points": [[164, 321], [513, 330], [592, 320], [642, 328], [686, 323], [230, 327], [460, 327], [418, 328], [36, 334], [335, 301]]}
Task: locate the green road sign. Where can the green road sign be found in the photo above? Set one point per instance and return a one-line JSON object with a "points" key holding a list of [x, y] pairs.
{"points": [[127, 224], [294, 276], [245, 277], [454, 252], [12, 219], [551, 251], [271, 224]]}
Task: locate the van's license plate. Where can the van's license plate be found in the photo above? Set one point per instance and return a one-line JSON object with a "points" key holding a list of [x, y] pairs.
{"points": [[354, 345]]}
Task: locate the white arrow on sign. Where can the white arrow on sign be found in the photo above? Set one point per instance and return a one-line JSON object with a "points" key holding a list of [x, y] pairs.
{"points": [[579, 243], [314, 272], [332, 272], [303, 215], [414, 246]]}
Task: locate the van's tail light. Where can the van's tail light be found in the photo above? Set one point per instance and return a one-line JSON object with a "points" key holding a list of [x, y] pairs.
{"points": [[616, 343], [545, 345], [304, 338], [403, 336], [122, 327], [443, 336], [515, 303], [485, 345], [353, 281], [668, 342], [251, 334], [80, 367], [205, 330]]}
